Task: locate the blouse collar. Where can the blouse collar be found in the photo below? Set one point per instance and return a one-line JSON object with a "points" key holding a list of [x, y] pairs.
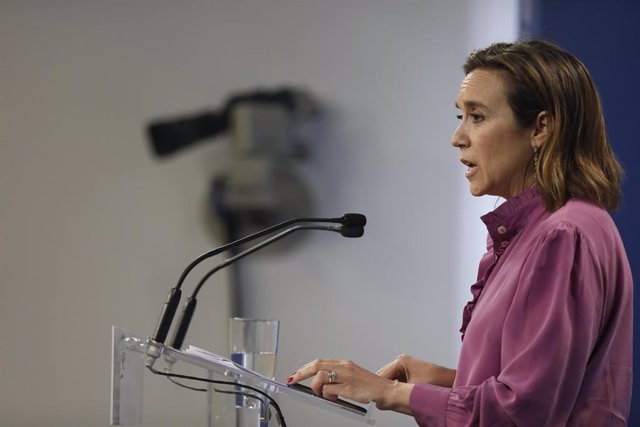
{"points": [[509, 218]]}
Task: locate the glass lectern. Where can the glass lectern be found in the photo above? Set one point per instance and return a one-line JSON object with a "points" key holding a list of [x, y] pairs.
{"points": [[252, 405]]}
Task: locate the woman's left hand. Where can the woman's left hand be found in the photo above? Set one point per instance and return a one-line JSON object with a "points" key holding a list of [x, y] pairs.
{"points": [[333, 378]]}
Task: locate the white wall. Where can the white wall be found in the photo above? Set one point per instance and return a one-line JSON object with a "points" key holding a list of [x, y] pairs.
{"points": [[94, 231]]}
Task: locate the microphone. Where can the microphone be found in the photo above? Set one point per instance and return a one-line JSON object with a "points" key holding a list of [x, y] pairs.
{"points": [[349, 220], [352, 230]]}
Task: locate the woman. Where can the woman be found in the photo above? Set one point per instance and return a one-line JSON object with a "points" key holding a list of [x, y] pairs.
{"points": [[547, 337]]}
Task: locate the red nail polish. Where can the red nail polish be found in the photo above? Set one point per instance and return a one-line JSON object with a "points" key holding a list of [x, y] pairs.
{"points": [[289, 379]]}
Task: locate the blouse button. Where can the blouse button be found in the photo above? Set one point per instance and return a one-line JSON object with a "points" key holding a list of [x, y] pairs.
{"points": [[504, 244], [502, 229]]}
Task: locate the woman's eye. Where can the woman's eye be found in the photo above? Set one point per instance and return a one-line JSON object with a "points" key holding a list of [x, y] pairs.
{"points": [[476, 118]]}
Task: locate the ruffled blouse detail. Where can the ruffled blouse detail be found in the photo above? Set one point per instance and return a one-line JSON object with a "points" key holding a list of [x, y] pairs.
{"points": [[503, 225]]}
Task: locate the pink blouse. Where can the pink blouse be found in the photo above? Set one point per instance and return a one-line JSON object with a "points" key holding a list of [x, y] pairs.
{"points": [[547, 338]]}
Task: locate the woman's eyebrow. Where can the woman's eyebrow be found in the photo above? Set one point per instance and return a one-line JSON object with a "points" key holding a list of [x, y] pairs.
{"points": [[472, 104]]}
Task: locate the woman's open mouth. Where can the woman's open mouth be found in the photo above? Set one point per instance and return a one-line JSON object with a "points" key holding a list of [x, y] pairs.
{"points": [[471, 168]]}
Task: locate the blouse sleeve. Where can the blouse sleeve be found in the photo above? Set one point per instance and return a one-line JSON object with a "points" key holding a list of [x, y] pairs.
{"points": [[549, 332]]}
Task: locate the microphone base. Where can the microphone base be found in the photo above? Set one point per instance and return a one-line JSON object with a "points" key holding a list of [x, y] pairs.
{"points": [[154, 351]]}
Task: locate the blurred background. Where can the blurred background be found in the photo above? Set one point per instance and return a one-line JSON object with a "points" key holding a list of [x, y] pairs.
{"points": [[95, 227]]}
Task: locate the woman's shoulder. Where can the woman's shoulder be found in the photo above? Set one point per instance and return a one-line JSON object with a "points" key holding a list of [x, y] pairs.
{"points": [[583, 219], [581, 213]]}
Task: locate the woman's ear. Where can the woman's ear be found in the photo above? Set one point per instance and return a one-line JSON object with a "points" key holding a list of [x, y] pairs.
{"points": [[541, 130]]}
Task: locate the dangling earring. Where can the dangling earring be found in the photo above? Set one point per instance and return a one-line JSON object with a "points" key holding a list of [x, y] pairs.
{"points": [[535, 161]]}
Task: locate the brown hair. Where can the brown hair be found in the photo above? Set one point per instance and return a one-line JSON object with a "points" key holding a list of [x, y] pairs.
{"points": [[576, 160]]}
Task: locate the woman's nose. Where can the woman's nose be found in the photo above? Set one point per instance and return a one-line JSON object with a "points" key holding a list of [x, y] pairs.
{"points": [[459, 138]]}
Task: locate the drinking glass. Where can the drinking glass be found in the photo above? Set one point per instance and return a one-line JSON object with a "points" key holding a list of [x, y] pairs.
{"points": [[253, 343]]}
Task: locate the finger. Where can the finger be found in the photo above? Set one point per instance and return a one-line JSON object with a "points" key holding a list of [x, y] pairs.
{"points": [[386, 369], [304, 372], [337, 390], [330, 391], [393, 371], [311, 369], [320, 380], [396, 370], [326, 385]]}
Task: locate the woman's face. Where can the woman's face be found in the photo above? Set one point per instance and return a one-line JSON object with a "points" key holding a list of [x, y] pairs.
{"points": [[494, 148]]}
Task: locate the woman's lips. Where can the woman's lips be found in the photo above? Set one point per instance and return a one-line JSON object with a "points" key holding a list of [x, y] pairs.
{"points": [[471, 168]]}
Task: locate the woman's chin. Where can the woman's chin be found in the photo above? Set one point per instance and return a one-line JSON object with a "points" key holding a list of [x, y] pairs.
{"points": [[475, 191]]}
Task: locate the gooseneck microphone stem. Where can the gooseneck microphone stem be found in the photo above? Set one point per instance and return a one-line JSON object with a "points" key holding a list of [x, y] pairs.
{"points": [[259, 246], [173, 298], [190, 305], [246, 239]]}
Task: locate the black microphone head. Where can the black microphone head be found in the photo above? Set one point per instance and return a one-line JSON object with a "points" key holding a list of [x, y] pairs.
{"points": [[351, 231], [354, 220]]}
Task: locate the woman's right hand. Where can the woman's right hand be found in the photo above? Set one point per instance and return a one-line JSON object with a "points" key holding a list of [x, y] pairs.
{"points": [[414, 371]]}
